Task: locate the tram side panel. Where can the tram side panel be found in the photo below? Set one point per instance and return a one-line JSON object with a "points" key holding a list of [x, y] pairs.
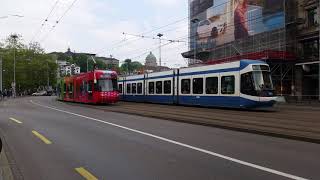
{"points": [[211, 86], [160, 87], [134, 88]]}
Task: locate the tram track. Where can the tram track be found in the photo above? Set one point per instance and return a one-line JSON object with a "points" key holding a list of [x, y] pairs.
{"points": [[272, 116], [212, 112], [249, 121]]}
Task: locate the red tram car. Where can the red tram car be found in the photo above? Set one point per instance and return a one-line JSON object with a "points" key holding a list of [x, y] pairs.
{"points": [[95, 87]]}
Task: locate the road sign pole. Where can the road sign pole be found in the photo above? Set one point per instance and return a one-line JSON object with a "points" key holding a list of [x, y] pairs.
{"points": [[1, 78]]}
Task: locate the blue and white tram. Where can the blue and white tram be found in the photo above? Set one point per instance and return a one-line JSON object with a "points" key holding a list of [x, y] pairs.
{"points": [[240, 84]]}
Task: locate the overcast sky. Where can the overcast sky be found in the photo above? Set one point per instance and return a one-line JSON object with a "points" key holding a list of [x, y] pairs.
{"points": [[96, 26]]}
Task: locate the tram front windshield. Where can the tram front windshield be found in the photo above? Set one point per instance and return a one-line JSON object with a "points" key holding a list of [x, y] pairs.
{"points": [[105, 85], [262, 80], [257, 83]]}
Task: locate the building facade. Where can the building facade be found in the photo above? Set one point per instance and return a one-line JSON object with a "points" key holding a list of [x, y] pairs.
{"points": [[151, 61], [307, 70], [284, 33], [151, 64], [110, 62], [65, 69]]}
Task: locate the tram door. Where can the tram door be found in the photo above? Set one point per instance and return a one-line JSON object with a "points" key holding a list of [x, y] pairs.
{"points": [[197, 90], [83, 91], [90, 89]]}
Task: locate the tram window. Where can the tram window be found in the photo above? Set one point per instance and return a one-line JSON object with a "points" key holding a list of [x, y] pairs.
{"points": [[159, 87], [139, 88], [64, 87], [70, 89], [227, 85], [151, 87], [120, 88], [134, 88], [78, 89], [212, 85], [247, 85], [85, 86], [197, 86], [128, 88], [185, 86], [167, 87], [90, 86]]}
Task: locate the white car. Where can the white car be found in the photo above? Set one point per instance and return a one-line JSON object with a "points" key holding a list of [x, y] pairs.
{"points": [[40, 93], [207, 28]]}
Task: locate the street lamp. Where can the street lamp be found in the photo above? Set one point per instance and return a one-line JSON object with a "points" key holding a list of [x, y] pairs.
{"points": [[195, 21], [14, 37], [160, 35]]}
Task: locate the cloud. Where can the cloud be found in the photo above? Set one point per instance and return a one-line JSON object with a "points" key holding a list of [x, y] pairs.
{"points": [[95, 25]]}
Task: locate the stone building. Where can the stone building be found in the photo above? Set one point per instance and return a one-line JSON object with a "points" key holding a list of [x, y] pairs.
{"points": [[151, 61]]}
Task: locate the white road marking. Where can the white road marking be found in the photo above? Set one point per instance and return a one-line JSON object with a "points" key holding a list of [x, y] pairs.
{"points": [[269, 170]]}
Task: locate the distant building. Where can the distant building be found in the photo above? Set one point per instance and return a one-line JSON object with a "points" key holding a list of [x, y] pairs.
{"points": [[152, 66], [151, 61], [62, 62], [109, 61], [66, 70]]}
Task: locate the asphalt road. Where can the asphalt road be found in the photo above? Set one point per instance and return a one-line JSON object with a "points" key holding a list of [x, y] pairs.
{"points": [[54, 140]]}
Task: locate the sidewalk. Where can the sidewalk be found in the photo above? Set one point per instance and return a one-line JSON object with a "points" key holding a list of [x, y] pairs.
{"points": [[5, 168]]}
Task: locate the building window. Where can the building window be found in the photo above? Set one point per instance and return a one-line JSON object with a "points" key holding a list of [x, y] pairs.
{"points": [[151, 87], [311, 48], [313, 17], [139, 88], [197, 87], [159, 87], [212, 85], [134, 88], [227, 85], [185, 86], [128, 88], [167, 87], [120, 88]]}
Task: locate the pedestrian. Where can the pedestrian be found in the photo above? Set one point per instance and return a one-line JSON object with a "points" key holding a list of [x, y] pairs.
{"points": [[9, 94], [4, 93]]}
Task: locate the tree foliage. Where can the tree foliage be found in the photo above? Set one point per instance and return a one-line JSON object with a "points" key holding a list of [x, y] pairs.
{"points": [[33, 66], [129, 67]]}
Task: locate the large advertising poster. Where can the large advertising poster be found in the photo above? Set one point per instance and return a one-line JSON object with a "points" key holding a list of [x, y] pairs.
{"points": [[216, 22]]}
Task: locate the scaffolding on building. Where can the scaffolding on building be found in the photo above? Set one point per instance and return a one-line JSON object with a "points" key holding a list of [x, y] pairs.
{"points": [[277, 47]]}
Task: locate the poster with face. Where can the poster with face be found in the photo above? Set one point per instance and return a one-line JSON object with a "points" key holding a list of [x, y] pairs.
{"points": [[229, 20]]}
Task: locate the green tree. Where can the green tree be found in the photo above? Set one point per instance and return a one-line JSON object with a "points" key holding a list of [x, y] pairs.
{"points": [[33, 66], [130, 67]]}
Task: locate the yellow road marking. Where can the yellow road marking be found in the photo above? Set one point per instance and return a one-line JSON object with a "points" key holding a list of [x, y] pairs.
{"points": [[86, 174], [15, 120], [44, 139]]}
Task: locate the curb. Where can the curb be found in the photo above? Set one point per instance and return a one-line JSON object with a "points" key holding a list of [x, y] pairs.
{"points": [[8, 167], [5, 169]]}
